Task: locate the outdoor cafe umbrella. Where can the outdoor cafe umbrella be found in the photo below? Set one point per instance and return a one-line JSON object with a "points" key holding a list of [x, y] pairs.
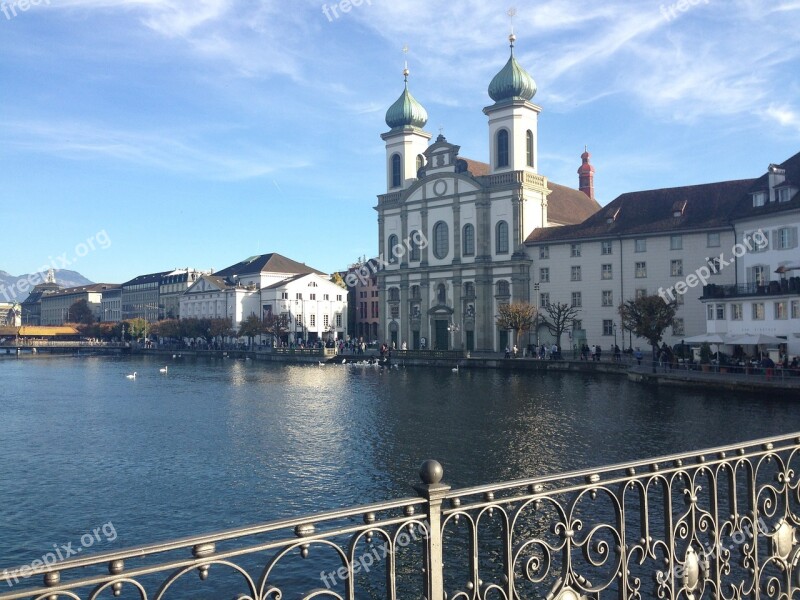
{"points": [[755, 339], [711, 338]]}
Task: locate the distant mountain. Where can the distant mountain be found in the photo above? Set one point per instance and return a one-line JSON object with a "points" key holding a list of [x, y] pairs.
{"points": [[10, 287]]}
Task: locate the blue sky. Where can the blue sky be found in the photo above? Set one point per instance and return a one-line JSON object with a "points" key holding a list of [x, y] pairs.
{"points": [[200, 132]]}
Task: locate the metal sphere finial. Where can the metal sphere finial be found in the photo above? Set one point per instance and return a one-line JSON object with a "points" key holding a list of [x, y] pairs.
{"points": [[431, 472]]}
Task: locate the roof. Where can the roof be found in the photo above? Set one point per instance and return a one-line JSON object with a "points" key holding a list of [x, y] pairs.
{"points": [[266, 263], [149, 278], [566, 205], [476, 167], [81, 289], [35, 331], [745, 207], [283, 282], [652, 211]]}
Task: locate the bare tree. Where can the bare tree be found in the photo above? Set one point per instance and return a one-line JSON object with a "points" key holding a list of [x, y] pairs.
{"points": [[648, 317], [517, 316], [558, 317]]}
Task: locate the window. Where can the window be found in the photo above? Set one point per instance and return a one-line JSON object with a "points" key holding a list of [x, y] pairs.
{"points": [[544, 299], [414, 250], [759, 199], [298, 319], [712, 240], [575, 250], [641, 270], [392, 244], [676, 242], [679, 299], [575, 273], [529, 148], [394, 294], [785, 238], [469, 240], [420, 163], [640, 245], [758, 275], [795, 309], [608, 327], [640, 293], [544, 275], [298, 296], [709, 312], [326, 296], [758, 311], [737, 314], [781, 310], [605, 248], [325, 321], [338, 297], [756, 241], [441, 294], [677, 327], [577, 324], [502, 288], [312, 297], [784, 194], [720, 312], [577, 300], [469, 290], [415, 292], [396, 171], [608, 298], [441, 241], [339, 320], [284, 295], [544, 252], [676, 268], [606, 272], [501, 237], [714, 265], [502, 148]]}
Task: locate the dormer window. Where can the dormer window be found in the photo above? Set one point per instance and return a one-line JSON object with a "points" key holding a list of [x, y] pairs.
{"points": [[759, 199], [784, 194], [613, 216], [678, 208]]}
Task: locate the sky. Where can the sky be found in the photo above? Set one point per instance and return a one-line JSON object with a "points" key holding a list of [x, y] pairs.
{"points": [[144, 135]]}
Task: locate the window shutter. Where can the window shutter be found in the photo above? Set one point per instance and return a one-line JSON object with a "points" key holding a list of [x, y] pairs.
{"points": [[793, 237]]}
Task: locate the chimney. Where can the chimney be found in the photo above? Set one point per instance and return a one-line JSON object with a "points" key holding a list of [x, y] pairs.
{"points": [[776, 176], [586, 175]]}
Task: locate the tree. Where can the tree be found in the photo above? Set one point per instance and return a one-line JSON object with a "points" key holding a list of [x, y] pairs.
{"points": [[277, 326], [80, 312], [135, 328], [337, 279], [648, 317], [517, 316], [558, 318], [251, 327]]}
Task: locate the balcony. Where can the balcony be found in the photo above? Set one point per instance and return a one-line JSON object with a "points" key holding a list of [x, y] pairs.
{"points": [[783, 287], [716, 523]]}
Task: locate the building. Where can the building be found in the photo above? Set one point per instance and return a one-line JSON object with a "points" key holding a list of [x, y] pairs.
{"points": [[171, 289], [764, 296], [111, 304], [156, 296], [452, 230], [363, 300], [32, 306], [10, 314], [55, 306], [315, 308]]}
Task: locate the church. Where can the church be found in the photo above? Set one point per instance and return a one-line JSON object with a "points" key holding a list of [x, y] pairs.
{"points": [[452, 230]]}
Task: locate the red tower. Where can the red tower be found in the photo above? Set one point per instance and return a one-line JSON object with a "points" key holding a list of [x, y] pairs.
{"points": [[586, 175]]}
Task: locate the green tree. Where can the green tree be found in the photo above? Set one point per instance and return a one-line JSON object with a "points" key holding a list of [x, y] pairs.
{"points": [[517, 316], [80, 312], [648, 317], [558, 318], [135, 328]]}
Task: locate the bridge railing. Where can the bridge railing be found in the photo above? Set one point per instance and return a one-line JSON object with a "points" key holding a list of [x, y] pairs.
{"points": [[718, 523], [62, 344]]}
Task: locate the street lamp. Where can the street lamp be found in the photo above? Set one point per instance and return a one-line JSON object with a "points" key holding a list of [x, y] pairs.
{"points": [[615, 336]]}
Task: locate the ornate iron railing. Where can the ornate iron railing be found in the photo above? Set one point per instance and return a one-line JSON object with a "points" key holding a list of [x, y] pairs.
{"points": [[719, 523]]}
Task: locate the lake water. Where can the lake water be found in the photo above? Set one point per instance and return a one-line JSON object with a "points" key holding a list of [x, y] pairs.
{"points": [[216, 444]]}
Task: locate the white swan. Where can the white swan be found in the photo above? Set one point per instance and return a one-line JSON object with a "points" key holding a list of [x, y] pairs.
{"points": [[164, 370], [455, 370], [344, 360], [321, 364], [131, 376]]}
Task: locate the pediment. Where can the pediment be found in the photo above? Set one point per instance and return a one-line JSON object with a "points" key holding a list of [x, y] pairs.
{"points": [[441, 186]]}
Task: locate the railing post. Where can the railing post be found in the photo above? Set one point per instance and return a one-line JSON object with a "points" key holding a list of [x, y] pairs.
{"points": [[431, 473]]}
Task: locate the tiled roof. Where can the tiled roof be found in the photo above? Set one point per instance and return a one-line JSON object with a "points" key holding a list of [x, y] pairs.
{"points": [[267, 263], [149, 278], [745, 206], [652, 211], [81, 289], [476, 167], [567, 206]]}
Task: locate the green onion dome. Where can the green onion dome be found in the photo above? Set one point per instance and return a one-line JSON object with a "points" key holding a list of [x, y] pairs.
{"points": [[406, 111], [512, 82]]}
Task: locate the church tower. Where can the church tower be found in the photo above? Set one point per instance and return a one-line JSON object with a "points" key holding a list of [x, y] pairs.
{"points": [[406, 141], [513, 119]]}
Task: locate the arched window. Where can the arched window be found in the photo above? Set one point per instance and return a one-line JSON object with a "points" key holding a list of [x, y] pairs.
{"points": [[415, 295], [502, 288], [394, 294], [441, 240], [414, 251], [501, 235], [420, 163], [529, 148], [397, 176], [390, 249], [441, 294], [469, 240], [502, 148], [469, 290]]}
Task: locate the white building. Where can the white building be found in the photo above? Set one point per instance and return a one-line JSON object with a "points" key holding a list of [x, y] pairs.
{"points": [[315, 308], [453, 230], [765, 296], [215, 297], [57, 303]]}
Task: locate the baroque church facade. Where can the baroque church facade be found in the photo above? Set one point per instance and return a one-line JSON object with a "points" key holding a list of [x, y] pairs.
{"points": [[452, 230]]}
